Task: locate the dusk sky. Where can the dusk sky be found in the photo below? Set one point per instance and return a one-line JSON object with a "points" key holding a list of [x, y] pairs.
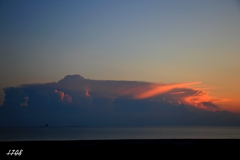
{"points": [[181, 43]]}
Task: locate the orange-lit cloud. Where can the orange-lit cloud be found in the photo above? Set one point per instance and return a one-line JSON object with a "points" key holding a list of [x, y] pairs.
{"points": [[150, 90], [63, 96], [200, 98], [87, 92], [178, 93], [191, 93]]}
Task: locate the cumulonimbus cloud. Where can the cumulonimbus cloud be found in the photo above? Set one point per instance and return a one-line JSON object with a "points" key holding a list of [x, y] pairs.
{"points": [[74, 89], [75, 99]]}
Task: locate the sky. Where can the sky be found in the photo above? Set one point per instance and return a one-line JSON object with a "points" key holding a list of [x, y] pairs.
{"points": [[159, 41]]}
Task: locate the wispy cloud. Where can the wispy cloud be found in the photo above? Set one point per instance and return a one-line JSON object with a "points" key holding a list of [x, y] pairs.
{"points": [[192, 93]]}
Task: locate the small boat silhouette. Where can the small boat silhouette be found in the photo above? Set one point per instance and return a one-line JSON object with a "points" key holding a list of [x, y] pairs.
{"points": [[46, 125]]}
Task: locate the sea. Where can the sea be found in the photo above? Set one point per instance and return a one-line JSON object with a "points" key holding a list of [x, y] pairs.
{"points": [[112, 133]]}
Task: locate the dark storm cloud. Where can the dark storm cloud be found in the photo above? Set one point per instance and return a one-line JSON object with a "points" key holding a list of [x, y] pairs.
{"points": [[75, 100]]}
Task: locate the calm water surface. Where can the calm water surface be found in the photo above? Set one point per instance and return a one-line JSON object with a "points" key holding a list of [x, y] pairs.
{"points": [[95, 133]]}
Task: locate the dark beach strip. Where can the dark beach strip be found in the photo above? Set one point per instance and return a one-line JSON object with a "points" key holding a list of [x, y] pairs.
{"points": [[125, 146]]}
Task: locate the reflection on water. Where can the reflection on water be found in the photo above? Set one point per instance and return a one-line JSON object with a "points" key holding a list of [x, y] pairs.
{"points": [[93, 133]]}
